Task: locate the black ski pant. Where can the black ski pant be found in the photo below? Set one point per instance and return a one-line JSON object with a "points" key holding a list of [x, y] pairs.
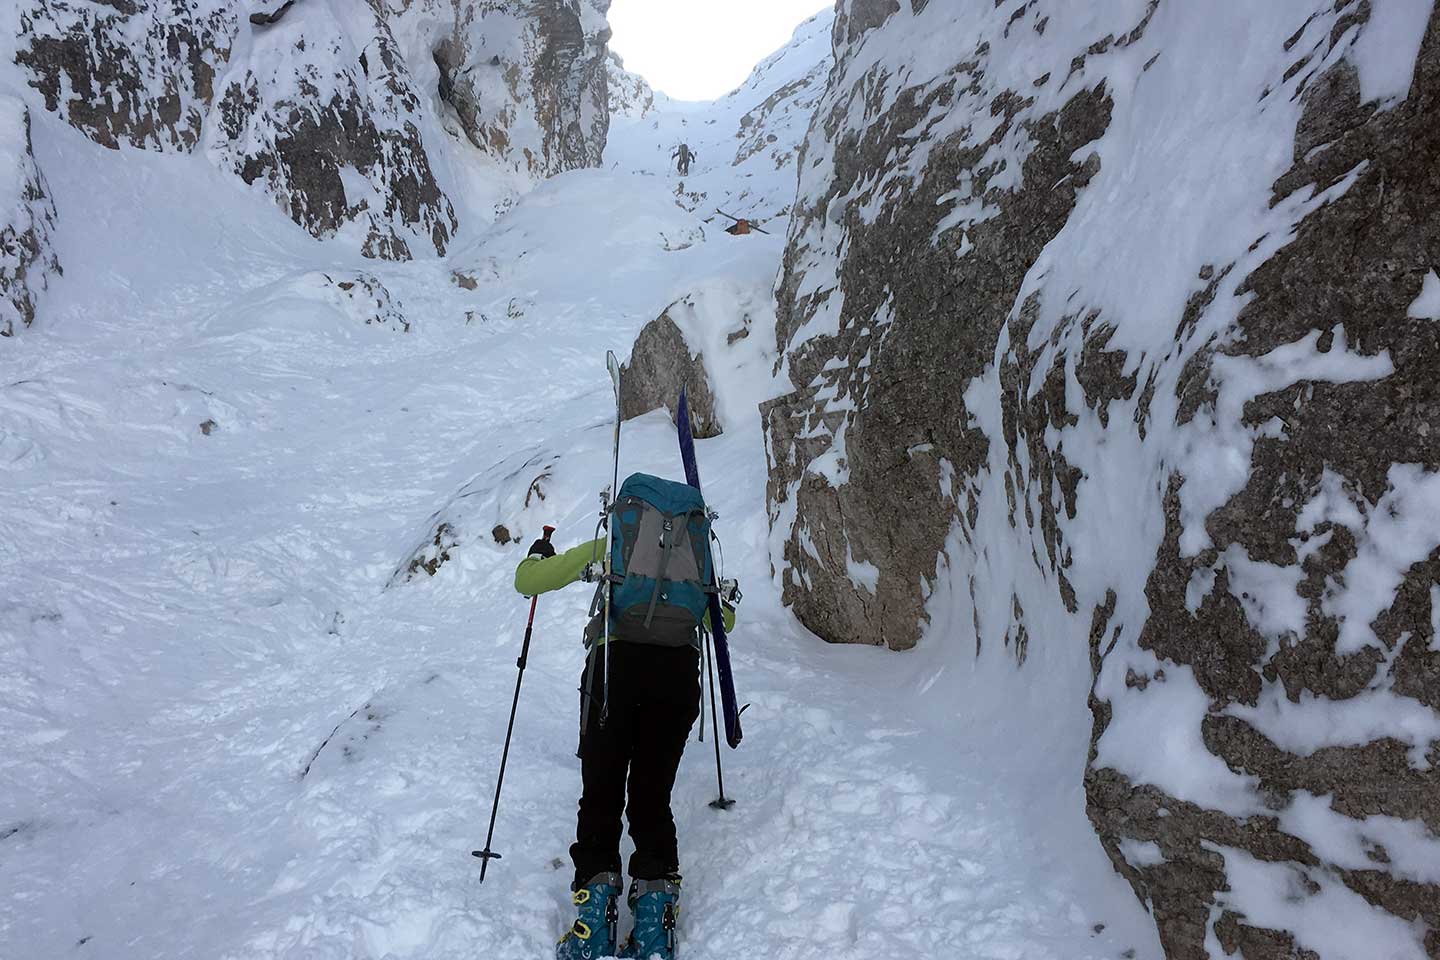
{"points": [[628, 764]]}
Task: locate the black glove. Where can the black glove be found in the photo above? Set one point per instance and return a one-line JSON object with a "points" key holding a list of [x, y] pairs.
{"points": [[594, 570], [542, 547]]}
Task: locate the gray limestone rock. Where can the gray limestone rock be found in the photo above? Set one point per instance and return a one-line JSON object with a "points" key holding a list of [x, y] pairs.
{"points": [[662, 362], [1347, 435], [325, 115], [127, 71], [948, 312], [527, 81], [941, 403]]}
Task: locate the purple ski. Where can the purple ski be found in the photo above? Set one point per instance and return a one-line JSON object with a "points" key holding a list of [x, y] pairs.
{"points": [[717, 618]]}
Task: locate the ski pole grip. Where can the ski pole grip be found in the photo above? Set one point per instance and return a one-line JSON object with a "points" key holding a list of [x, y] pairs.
{"points": [[548, 530]]}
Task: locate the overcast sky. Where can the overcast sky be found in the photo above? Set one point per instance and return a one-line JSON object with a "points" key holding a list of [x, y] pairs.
{"points": [[702, 49]]}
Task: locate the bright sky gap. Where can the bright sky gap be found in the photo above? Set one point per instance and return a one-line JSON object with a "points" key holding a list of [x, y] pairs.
{"points": [[702, 49]]}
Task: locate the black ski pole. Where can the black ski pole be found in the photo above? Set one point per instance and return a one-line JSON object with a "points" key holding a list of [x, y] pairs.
{"points": [[721, 802], [487, 854]]}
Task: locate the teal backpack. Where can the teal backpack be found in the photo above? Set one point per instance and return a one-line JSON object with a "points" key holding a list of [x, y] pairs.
{"points": [[660, 563]]}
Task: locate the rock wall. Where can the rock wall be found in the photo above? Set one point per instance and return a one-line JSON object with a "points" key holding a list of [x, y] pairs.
{"points": [[630, 93], [1097, 347], [27, 222], [337, 110], [527, 82], [322, 110]]}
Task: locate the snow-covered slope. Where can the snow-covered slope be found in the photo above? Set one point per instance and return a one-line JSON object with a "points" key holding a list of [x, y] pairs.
{"points": [[1111, 391], [746, 143]]}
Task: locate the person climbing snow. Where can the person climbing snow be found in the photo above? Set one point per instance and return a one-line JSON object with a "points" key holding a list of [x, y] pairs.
{"points": [[639, 698], [683, 155]]}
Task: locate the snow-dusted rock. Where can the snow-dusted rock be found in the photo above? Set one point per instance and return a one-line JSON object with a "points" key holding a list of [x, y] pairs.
{"points": [[630, 93], [503, 505], [661, 363], [527, 81], [27, 220], [321, 108], [337, 110], [1090, 340], [127, 71]]}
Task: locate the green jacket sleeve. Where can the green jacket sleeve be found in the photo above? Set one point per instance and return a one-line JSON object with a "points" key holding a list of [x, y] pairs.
{"points": [[727, 614], [537, 575]]}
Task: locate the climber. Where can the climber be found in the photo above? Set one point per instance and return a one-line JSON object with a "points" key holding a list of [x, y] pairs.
{"points": [[636, 729], [683, 155]]}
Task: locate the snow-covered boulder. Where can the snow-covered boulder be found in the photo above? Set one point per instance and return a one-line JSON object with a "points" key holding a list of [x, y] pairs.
{"points": [[27, 221], [508, 503], [1114, 364], [661, 363], [707, 342]]}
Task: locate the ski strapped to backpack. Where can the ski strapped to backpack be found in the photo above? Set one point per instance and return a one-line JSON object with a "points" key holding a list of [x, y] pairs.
{"points": [[733, 733]]}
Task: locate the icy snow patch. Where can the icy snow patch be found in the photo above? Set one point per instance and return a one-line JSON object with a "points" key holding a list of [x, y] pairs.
{"points": [[14, 158], [1387, 47], [1280, 896], [1139, 853], [1220, 457], [1359, 844], [1401, 530], [1313, 722], [1427, 305], [1161, 741]]}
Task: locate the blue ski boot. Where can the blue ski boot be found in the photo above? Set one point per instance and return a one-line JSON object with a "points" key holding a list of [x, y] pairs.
{"points": [[594, 933], [656, 905]]}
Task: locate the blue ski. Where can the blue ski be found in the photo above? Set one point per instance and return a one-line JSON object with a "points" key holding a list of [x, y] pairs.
{"points": [[717, 617]]}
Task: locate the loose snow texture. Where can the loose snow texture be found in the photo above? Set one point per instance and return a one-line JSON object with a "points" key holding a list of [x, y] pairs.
{"points": [[189, 617]]}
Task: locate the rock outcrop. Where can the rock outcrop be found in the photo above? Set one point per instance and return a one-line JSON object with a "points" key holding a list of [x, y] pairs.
{"points": [[27, 221], [503, 505], [323, 111], [528, 81], [630, 94], [660, 364], [128, 71], [1093, 343]]}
